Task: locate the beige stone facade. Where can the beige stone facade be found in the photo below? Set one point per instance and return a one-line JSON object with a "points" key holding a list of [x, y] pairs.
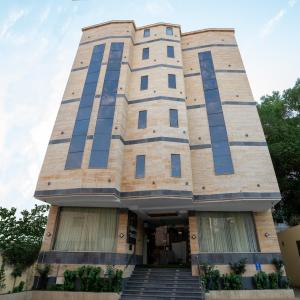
{"points": [[251, 187]]}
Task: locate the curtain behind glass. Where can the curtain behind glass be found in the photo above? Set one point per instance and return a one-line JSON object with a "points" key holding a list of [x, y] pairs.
{"points": [[226, 232], [86, 229]]}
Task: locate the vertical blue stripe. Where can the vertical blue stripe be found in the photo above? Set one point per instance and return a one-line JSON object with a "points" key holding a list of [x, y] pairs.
{"points": [[106, 112], [77, 144], [218, 134]]}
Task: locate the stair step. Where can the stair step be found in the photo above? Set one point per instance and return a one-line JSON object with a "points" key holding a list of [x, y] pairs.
{"points": [[162, 285], [150, 297]]}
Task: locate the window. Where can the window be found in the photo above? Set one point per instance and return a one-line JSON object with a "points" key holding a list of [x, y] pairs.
{"points": [[146, 32], [175, 165], [140, 166], [170, 51], [142, 123], [172, 81], [173, 117], [226, 232], [169, 31], [86, 229], [144, 82], [145, 53]]}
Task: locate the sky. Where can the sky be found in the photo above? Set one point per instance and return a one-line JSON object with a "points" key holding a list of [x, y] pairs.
{"points": [[39, 40]]}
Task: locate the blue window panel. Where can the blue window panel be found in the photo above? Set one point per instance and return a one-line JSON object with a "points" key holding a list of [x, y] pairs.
{"points": [[89, 89], [223, 165], [115, 55], [81, 127], [213, 107], [145, 54], [140, 166], [220, 148], [94, 67], [144, 82], [74, 160], [102, 137], [106, 112], [84, 113], [210, 84], [80, 130], [114, 66], [212, 95], [169, 31], [108, 100], [205, 56], [77, 143], [216, 120], [103, 126], [218, 133], [101, 142], [110, 87], [92, 77], [172, 81], [99, 159], [116, 46], [146, 32], [112, 75], [173, 117], [142, 122], [170, 51], [175, 165]]}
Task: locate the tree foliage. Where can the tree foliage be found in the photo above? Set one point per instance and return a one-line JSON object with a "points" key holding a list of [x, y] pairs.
{"points": [[20, 238], [280, 117]]}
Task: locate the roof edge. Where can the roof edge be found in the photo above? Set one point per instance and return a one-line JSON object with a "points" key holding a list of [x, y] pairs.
{"points": [[207, 30]]}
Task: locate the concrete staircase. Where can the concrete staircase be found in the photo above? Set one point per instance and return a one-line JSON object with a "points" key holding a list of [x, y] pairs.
{"points": [[161, 283]]}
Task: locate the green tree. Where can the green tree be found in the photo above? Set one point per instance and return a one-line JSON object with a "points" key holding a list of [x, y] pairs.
{"points": [[21, 238], [280, 117]]}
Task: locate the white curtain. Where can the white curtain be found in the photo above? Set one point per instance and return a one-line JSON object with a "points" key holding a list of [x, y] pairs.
{"points": [[226, 232], [86, 229]]}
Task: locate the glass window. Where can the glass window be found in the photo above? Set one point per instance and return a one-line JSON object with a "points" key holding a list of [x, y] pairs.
{"points": [[169, 31], [99, 159], [140, 166], [170, 51], [146, 32], [173, 117], [175, 165], [145, 53], [226, 232], [144, 82], [172, 81], [142, 122], [86, 229], [74, 160]]}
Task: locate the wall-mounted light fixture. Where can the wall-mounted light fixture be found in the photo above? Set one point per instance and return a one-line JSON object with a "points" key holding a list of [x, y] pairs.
{"points": [[194, 236], [267, 234], [121, 235]]}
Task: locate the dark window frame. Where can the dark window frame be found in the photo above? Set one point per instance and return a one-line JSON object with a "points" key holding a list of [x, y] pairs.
{"points": [[146, 32], [145, 53], [173, 115], [144, 82], [142, 119], [170, 52], [175, 169], [298, 246], [140, 159], [171, 81], [169, 30]]}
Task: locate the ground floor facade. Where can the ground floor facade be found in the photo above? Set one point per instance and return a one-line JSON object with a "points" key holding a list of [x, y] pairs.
{"points": [[116, 236]]}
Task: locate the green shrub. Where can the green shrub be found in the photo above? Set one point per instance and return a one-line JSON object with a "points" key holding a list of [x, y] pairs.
{"points": [[284, 283], [232, 282], [261, 280], [89, 278], [273, 280], [239, 267], [56, 287], [211, 277], [69, 280], [18, 288]]}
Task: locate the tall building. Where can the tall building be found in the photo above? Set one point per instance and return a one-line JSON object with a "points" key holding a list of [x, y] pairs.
{"points": [[157, 155]]}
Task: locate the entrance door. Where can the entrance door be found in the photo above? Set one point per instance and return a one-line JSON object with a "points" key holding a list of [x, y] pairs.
{"points": [[168, 244]]}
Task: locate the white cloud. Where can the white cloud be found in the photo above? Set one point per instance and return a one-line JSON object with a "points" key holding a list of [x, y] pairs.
{"points": [[11, 20], [269, 26], [45, 15]]}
